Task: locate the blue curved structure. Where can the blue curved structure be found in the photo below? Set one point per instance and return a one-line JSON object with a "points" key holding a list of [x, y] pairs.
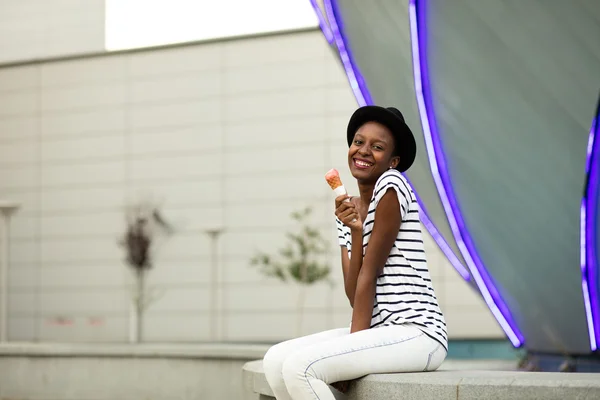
{"points": [[363, 97], [441, 177], [503, 148], [589, 233], [322, 22]]}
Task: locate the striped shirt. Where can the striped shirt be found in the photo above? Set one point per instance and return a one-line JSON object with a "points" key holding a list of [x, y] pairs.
{"points": [[404, 293]]}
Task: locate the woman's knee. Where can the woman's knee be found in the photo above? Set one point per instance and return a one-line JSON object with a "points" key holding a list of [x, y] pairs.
{"points": [[436, 358], [296, 367], [273, 360]]}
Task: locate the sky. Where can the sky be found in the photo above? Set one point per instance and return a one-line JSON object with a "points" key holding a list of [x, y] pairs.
{"points": [[143, 23]]}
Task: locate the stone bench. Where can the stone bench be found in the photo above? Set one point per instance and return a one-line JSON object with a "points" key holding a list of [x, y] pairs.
{"points": [[456, 380]]}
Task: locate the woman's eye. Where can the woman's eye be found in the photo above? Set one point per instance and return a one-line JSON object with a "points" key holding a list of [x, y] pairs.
{"points": [[378, 148], [357, 142]]}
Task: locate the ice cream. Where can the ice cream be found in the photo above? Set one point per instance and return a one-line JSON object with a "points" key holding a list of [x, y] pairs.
{"points": [[333, 179]]}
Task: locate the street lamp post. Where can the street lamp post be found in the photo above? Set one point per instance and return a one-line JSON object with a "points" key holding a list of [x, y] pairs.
{"points": [[6, 210], [214, 281]]}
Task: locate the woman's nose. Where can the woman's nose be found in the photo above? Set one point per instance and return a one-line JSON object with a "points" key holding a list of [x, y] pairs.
{"points": [[364, 150]]}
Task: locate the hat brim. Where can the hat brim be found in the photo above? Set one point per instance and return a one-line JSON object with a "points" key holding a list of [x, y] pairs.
{"points": [[406, 147]]}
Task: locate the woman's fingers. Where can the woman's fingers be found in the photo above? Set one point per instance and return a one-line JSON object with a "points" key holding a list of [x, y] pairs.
{"points": [[346, 212], [345, 205], [348, 216], [340, 200], [344, 215]]}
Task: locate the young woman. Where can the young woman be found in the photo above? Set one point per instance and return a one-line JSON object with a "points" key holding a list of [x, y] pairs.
{"points": [[397, 325]]}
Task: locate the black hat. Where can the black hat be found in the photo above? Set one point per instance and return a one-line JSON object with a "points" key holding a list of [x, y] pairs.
{"points": [[392, 118]]}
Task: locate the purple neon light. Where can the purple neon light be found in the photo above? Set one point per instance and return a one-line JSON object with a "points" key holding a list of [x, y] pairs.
{"points": [[588, 237], [322, 22], [363, 97], [441, 242], [442, 179]]}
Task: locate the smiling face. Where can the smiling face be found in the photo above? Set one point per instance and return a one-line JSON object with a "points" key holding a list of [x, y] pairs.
{"points": [[371, 152]]}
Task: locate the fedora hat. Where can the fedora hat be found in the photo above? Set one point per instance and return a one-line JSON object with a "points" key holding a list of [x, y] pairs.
{"points": [[392, 118]]}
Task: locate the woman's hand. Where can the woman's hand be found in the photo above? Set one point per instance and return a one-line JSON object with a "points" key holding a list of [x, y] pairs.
{"points": [[347, 213], [341, 386]]}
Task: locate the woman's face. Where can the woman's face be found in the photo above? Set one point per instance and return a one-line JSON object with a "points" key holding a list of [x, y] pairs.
{"points": [[371, 152]]}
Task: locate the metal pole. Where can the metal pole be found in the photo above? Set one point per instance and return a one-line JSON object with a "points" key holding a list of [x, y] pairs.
{"points": [[214, 280], [4, 235], [6, 209]]}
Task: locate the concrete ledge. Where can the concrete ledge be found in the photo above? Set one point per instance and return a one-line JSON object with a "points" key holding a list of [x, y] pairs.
{"points": [[48, 371], [206, 351], [457, 380]]}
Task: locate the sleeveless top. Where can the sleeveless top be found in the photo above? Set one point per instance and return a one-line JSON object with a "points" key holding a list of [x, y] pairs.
{"points": [[404, 293]]}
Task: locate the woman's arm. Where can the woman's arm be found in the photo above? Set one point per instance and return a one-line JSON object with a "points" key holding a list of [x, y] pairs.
{"points": [[346, 271], [351, 265], [348, 215], [383, 236]]}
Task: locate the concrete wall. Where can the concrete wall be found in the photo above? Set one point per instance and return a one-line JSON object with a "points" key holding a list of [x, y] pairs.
{"points": [[115, 372], [232, 135], [34, 29]]}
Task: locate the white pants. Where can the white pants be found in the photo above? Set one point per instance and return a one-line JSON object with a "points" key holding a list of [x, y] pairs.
{"points": [[302, 368]]}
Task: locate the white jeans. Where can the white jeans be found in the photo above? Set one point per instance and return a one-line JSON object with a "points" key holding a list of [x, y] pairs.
{"points": [[302, 368]]}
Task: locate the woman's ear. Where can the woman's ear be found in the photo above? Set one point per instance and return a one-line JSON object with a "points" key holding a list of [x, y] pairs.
{"points": [[394, 162]]}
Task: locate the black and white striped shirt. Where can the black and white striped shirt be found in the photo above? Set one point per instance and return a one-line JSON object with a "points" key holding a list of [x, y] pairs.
{"points": [[404, 293]]}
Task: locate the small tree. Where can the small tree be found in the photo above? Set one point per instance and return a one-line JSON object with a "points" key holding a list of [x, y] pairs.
{"points": [[144, 223], [299, 260]]}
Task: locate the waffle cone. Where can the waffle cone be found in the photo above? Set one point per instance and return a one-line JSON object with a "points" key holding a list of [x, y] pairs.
{"points": [[334, 182], [333, 179]]}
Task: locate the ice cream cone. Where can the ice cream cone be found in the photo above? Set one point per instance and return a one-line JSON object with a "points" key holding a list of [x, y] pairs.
{"points": [[333, 179]]}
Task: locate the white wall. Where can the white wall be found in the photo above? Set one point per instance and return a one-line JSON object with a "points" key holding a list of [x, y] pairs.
{"points": [[233, 134], [33, 29], [50, 372]]}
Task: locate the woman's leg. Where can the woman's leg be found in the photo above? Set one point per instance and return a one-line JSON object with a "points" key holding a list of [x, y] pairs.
{"points": [[275, 357], [388, 349]]}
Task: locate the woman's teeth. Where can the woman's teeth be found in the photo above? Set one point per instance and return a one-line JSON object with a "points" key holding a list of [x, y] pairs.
{"points": [[362, 163]]}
